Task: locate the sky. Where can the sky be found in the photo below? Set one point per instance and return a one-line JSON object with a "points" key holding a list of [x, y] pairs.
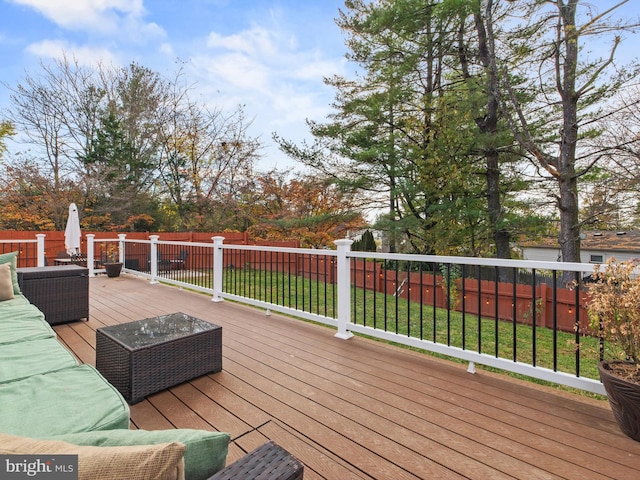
{"points": [[269, 55]]}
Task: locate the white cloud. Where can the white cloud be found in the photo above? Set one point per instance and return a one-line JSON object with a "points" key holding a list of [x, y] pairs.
{"points": [[107, 17], [315, 68], [233, 72], [256, 41], [57, 49], [280, 83], [167, 50], [262, 59]]}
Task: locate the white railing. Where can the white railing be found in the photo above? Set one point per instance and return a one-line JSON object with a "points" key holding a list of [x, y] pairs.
{"points": [[22, 244], [262, 276]]}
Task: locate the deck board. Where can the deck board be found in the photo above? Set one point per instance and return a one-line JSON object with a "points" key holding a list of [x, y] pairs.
{"points": [[359, 408]]}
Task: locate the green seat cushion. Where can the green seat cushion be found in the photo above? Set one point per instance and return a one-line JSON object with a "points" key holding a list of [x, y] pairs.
{"points": [[12, 259], [22, 322], [23, 359], [206, 451], [19, 299], [75, 399]]}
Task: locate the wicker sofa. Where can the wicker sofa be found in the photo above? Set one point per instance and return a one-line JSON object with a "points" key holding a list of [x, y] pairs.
{"points": [[52, 404]]}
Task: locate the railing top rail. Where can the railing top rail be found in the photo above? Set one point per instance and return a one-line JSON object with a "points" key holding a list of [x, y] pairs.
{"points": [[184, 244], [19, 240], [490, 262], [265, 248]]}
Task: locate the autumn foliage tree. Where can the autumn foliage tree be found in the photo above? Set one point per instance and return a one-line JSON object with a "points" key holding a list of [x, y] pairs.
{"points": [[310, 209], [133, 143], [6, 130], [27, 199]]}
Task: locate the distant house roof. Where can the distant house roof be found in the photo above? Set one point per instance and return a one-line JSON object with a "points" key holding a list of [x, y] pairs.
{"points": [[619, 241]]}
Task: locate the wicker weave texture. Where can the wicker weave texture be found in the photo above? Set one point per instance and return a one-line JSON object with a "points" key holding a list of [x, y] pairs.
{"points": [[267, 462], [138, 372], [61, 293]]}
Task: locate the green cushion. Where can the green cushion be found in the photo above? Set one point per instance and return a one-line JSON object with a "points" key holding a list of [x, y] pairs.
{"points": [[23, 359], [22, 321], [16, 300], [75, 399], [206, 451], [12, 258]]}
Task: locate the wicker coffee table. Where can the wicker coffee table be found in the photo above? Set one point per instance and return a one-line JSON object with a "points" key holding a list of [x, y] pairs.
{"points": [[146, 356]]}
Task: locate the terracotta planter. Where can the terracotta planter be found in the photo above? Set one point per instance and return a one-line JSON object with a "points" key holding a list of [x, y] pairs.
{"points": [[624, 398], [113, 269]]}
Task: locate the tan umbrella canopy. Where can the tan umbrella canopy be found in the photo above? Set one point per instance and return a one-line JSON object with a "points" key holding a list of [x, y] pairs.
{"points": [[72, 232]]}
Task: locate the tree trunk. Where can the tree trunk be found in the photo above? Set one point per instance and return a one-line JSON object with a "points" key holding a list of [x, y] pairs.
{"points": [[567, 60], [489, 124]]}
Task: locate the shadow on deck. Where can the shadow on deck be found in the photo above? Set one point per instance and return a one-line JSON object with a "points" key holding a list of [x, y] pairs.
{"points": [[360, 408]]}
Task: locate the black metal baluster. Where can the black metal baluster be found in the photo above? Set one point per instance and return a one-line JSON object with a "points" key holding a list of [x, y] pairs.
{"points": [[534, 314], [421, 299], [448, 304], [397, 294], [364, 292], [385, 295], [515, 313], [408, 299], [496, 311], [554, 313], [479, 308], [434, 268], [464, 307]]}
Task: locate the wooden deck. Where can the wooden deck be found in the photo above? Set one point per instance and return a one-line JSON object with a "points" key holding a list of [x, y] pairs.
{"points": [[359, 408]]}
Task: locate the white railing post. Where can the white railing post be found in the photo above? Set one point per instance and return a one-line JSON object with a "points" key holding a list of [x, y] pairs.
{"points": [[218, 268], [91, 253], [344, 288], [154, 258], [121, 247], [40, 250]]}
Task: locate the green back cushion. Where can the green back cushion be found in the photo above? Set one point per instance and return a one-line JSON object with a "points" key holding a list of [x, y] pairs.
{"points": [[20, 321], [12, 259], [206, 451]]}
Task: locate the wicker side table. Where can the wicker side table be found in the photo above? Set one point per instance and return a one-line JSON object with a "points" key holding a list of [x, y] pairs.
{"points": [[61, 293], [267, 462], [147, 356]]}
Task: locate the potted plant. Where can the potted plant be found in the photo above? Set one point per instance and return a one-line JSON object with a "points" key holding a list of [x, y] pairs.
{"points": [[112, 265], [613, 306]]}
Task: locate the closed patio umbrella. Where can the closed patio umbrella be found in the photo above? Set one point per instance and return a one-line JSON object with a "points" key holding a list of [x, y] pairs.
{"points": [[72, 232]]}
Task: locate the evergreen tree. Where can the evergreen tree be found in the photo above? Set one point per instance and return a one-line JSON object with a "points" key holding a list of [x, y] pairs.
{"points": [[366, 243]]}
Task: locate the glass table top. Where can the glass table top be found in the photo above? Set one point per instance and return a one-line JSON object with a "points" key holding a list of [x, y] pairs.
{"points": [[151, 331]]}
